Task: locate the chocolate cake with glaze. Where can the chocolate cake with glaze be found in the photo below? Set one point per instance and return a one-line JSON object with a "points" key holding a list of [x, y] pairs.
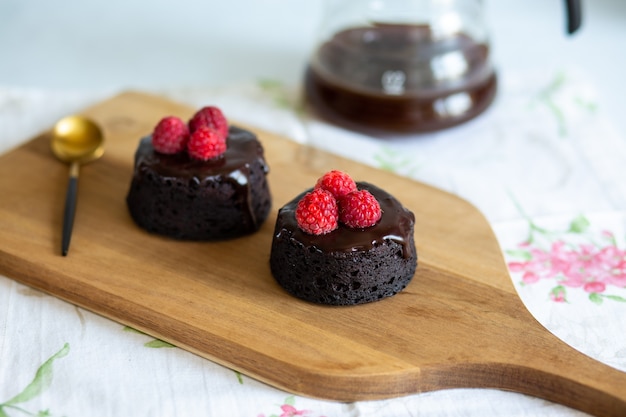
{"points": [[346, 266], [184, 198]]}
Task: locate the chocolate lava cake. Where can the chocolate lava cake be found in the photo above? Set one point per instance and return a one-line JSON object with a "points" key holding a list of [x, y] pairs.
{"points": [[183, 197], [347, 265]]}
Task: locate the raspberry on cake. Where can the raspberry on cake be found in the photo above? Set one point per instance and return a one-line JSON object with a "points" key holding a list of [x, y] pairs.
{"points": [[359, 208], [207, 185], [337, 182], [206, 143], [317, 212], [368, 256], [210, 116], [170, 135]]}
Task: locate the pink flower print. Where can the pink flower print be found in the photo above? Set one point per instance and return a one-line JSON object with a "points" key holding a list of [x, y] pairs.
{"points": [[613, 261], [595, 287], [530, 277], [607, 234], [576, 259], [517, 266], [581, 266], [607, 265], [290, 411], [574, 267], [617, 277], [542, 263]]}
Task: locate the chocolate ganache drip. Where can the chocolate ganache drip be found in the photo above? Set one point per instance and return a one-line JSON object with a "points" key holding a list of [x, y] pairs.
{"points": [[395, 224]]}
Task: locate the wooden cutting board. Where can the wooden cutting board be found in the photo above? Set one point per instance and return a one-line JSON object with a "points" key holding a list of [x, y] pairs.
{"points": [[458, 324]]}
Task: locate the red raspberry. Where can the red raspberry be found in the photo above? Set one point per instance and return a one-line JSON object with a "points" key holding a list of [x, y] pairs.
{"points": [[170, 135], [359, 209], [206, 143], [317, 212], [337, 182], [209, 116]]}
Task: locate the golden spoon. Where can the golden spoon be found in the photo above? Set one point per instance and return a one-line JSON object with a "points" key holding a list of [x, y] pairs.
{"points": [[75, 140]]}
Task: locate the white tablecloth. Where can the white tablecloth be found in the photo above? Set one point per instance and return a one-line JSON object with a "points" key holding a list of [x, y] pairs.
{"points": [[543, 164]]}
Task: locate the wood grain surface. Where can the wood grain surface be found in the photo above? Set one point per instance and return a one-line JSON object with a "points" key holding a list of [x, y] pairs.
{"points": [[459, 323]]}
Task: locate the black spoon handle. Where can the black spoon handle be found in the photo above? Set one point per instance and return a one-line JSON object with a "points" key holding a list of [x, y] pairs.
{"points": [[70, 209], [574, 15]]}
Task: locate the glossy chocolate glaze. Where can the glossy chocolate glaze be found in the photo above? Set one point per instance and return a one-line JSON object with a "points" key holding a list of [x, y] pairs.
{"points": [[242, 149], [396, 224], [233, 166]]}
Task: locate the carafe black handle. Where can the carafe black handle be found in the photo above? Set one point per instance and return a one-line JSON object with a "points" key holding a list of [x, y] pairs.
{"points": [[574, 15]]}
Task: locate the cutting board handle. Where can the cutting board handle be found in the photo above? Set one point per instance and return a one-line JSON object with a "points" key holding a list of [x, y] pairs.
{"points": [[556, 372]]}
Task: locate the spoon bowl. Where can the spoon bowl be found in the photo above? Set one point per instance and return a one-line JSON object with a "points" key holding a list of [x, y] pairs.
{"points": [[75, 140]]}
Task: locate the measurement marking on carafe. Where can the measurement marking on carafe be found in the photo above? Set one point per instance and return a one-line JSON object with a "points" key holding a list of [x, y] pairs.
{"points": [[393, 81]]}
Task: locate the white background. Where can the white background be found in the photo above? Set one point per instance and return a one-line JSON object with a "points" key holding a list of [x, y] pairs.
{"points": [[87, 44]]}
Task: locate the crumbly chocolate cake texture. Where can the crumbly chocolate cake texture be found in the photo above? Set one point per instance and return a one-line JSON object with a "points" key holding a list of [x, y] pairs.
{"points": [[346, 266], [183, 198]]}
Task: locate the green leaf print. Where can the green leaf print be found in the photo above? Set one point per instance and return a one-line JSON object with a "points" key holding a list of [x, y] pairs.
{"points": [[559, 293], [155, 344], [547, 97], [42, 380], [239, 377], [590, 106], [280, 95], [520, 254], [615, 298], [579, 225], [596, 298], [395, 161]]}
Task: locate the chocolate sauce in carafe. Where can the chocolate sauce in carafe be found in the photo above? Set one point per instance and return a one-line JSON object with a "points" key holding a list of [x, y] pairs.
{"points": [[399, 78]]}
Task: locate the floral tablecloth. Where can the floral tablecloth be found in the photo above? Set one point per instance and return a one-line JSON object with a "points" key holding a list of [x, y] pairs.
{"points": [[543, 164]]}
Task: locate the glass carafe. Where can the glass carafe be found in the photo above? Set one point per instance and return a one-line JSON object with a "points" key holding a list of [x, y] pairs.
{"points": [[401, 65], [405, 65]]}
